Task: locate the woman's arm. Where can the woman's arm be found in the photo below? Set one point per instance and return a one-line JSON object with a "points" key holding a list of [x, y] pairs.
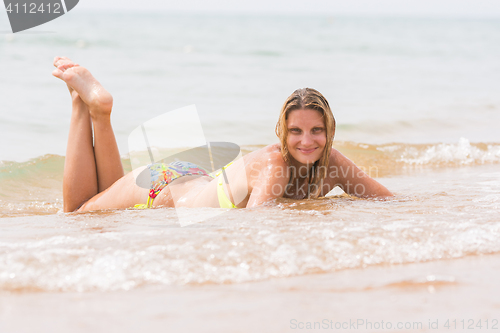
{"points": [[353, 180]]}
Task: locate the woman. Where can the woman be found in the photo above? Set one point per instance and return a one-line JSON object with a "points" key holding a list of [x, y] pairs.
{"points": [[302, 166]]}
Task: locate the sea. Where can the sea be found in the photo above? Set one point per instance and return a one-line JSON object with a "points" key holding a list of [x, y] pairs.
{"points": [[417, 106]]}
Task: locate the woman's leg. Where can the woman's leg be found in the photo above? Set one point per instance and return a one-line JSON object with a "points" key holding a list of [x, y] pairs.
{"points": [[99, 102], [107, 156], [80, 178]]}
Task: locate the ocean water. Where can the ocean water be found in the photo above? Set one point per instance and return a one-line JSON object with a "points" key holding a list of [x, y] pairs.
{"points": [[387, 79], [417, 106]]}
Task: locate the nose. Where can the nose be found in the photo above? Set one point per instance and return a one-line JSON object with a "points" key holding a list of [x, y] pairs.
{"points": [[307, 140]]}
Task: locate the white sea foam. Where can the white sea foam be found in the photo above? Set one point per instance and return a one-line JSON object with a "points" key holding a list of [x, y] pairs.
{"points": [[461, 153], [123, 250]]}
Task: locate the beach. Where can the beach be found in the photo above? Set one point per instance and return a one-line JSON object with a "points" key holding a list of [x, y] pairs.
{"points": [[417, 107], [427, 297]]}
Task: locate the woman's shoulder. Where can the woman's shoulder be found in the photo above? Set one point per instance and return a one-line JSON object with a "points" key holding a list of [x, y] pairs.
{"points": [[336, 157], [268, 157], [270, 154]]}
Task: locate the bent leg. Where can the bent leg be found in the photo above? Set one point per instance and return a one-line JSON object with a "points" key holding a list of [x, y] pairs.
{"points": [[107, 156], [80, 177], [99, 101], [124, 193]]}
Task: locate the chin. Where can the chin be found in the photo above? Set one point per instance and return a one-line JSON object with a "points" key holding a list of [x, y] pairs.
{"points": [[306, 160], [310, 161]]}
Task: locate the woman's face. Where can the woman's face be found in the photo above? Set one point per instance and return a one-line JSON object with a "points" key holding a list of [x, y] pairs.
{"points": [[306, 135]]}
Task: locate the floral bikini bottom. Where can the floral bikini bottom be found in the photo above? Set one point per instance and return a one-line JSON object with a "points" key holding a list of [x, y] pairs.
{"points": [[163, 174]]}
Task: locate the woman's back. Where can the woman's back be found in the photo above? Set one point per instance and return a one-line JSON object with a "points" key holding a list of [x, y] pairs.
{"points": [[242, 178]]}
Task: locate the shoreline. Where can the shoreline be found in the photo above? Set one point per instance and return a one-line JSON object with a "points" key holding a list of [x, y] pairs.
{"points": [[417, 292]]}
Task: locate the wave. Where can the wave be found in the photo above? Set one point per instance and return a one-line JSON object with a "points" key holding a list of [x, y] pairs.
{"points": [[392, 159], [124, 250], [461, 153], [35, 186], [38, 170]]}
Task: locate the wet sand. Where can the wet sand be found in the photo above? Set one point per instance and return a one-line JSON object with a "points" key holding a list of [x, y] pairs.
{"points": [[428, 293]]}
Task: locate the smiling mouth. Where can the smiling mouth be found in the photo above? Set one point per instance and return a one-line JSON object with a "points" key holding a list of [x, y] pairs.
{"points": [[307, 151]]}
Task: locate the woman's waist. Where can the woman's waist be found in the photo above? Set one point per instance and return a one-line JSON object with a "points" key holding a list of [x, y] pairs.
{"points": [[188, 191]]}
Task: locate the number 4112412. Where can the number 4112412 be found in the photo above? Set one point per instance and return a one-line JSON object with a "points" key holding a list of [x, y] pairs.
{"points": [[471, 324], [33, 8]]}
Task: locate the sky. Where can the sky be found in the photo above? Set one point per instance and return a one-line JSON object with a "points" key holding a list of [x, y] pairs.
{"points": [[435, 8]]}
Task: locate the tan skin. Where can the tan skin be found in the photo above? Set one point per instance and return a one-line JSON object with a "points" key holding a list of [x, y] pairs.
{"points": [[94, 177]]}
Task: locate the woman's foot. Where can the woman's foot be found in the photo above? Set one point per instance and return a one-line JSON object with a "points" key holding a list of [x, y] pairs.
{"points": [[79, 79], [63, 63]]}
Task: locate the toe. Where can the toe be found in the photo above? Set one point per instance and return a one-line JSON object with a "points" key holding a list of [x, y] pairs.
{"points": [[57, 73], [69, 75], [65, 60], [66, 65], [58, 61]]}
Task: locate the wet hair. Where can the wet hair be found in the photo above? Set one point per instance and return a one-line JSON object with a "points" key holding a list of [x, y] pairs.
{"points": [[308, 99]]}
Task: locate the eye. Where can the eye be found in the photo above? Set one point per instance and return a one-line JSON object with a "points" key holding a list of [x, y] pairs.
{"points": [[294, 130], [318, 129]]}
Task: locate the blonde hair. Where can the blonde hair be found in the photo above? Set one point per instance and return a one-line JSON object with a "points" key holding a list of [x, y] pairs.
{"points": [[311, 99]]}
